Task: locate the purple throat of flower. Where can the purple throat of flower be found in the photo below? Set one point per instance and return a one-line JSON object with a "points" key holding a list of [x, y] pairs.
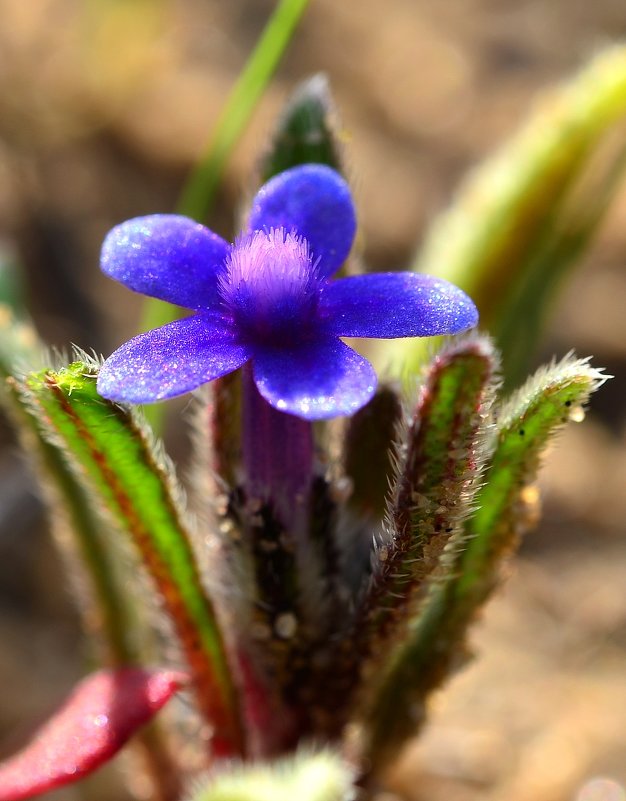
{"points": [[270, 289], [269, 301]]}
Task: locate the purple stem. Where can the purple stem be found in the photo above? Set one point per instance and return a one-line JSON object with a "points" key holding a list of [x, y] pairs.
{"points": [[277, 454]]}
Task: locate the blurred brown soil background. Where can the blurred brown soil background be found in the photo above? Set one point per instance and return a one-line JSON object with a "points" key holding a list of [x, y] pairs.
{"points": [[104, 105]]}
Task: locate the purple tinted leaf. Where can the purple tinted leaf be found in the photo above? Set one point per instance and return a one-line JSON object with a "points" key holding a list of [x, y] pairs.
{"points": [[389, 305], [171, 360], [315, 380], [166, 256], [100, 715], [314, 201]]}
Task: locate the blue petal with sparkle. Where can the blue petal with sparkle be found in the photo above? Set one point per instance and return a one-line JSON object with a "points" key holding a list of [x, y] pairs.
{"points": [[172, 360], [314, 381], [389, 305], [166, 256], [314, 202]]}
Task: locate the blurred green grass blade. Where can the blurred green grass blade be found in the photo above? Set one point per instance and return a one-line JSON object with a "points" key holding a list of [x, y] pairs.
{"points": [[19, 344], [322, 776], [130, 478], [11, 289], [199, 191], [305, 133], [521, 219], [435, 644]]}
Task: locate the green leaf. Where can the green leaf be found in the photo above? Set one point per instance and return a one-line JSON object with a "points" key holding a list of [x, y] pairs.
{"points": [[305, 133], [522, 219], [367, 452], [111, 453], [109, 610], [552, 397], [321, 776], [441, 453], [436, 637]]}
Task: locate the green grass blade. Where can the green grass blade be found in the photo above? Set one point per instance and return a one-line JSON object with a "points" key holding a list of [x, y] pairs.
{"points": [[199, 191], [567, 235], [11, 289], [111, 454]]}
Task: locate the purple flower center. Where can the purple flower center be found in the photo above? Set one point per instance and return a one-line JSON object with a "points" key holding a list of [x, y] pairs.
{"points": [[271, 287]]}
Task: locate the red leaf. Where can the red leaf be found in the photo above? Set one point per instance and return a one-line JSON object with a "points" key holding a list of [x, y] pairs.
{"points": [[100, 715]]}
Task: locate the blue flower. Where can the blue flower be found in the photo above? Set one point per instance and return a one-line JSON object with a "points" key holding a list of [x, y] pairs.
{"points": [[268, 300]]}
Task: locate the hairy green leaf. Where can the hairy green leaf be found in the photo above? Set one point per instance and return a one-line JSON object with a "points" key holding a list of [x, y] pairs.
{"points": [[436, 636], [109, 611], [111, 453], [321, 776], [439, 459], [367, 452], [305, 133]]}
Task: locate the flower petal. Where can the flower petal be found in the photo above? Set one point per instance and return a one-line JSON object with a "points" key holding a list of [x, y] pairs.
{"points": [[389, 305], [100, 715], [314, 201], [168, 257], [315, 380], [171, 360]]}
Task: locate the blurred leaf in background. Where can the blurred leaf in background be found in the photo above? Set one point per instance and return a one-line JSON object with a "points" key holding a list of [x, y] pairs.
{"points": [[522, 219]]}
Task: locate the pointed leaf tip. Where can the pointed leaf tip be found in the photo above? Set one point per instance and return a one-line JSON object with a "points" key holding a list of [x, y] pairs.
{"points": [[97, 719]]}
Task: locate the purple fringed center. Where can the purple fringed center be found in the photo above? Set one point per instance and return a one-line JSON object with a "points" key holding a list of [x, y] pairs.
{"points": [[271, 287]]}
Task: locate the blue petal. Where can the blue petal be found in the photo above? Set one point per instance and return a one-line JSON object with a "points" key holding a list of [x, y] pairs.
{"points": [[171, 360], [314, 201], [316, 380], [168, 257], [388, 305]]}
